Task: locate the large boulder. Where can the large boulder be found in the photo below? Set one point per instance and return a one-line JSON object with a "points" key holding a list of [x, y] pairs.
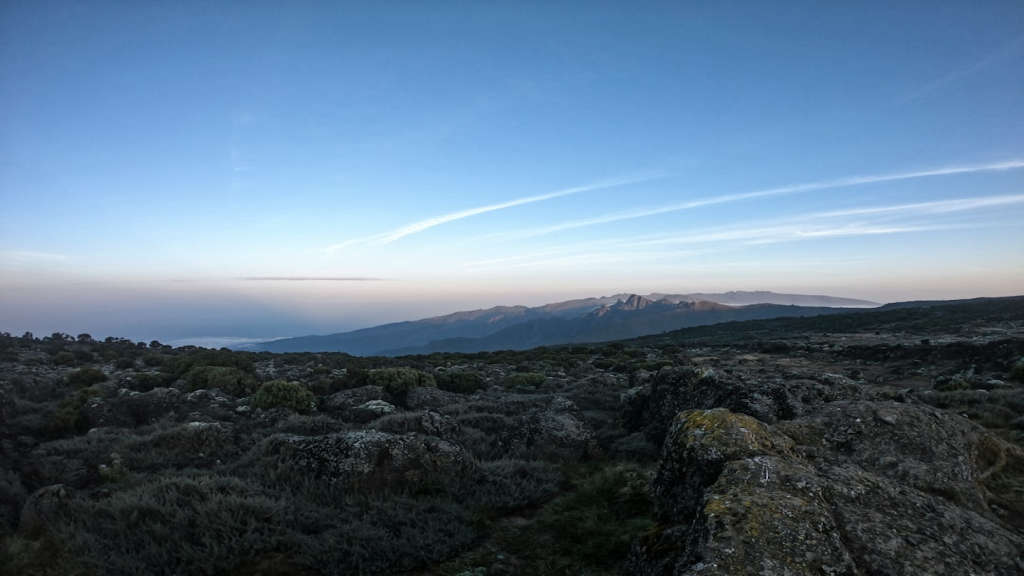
{"points": [[650, 406], [370, 410], [858, 488], [345, 400]]}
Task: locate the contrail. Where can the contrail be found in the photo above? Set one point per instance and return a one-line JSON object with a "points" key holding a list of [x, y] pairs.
{"points": [[844, 182], [398, 233]]}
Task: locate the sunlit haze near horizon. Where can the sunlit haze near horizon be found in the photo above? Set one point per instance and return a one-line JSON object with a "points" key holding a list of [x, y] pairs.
{"points": [[187, 171]]}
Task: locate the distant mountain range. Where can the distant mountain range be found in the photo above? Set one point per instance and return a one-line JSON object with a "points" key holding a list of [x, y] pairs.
{"points": [[584, 320]]}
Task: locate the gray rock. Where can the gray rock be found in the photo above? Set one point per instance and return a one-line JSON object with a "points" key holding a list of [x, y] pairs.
{"points": [[374, 459], [347, 399], [858, 488], [369, 411], [42, 510]]}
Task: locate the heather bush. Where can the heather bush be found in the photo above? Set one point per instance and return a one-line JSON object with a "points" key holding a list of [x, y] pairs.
{"points": [[398, 381], [1017, 371], [283, 394], [459, 382], [64, 358], [67, 418], [85, 377], [524, 380], [227, 378]]}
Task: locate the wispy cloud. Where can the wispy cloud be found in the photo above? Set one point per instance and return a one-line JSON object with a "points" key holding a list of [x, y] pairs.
{"points": [[864, 221], [958, 74], [31, 257], [415, 227], [843, 182], [312, 279], [934, 207]]}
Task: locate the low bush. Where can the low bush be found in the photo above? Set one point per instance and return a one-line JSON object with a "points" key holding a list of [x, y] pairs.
{"points": [[521, 380], [1017, 372], [283, 394], [459, 382], [64, 358], [398, 381], [67, 418], [85, 377], [227, 378]]}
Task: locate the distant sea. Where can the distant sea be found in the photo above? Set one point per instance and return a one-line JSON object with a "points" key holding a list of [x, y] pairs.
{"points": [[233, 342]]}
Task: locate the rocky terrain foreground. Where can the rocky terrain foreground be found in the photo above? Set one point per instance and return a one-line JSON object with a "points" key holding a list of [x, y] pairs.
{"points": [[882, 442]]}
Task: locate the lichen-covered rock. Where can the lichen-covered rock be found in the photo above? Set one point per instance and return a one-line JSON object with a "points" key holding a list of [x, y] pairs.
{"points": [[372, 459], [767, 515], [42, 510], [424, 397], [348, 399], [651, 407], [558, 431], [130, 408], [858, 488], [369, 411], [916, 445], [892, 529], [427, 422], [698, 446]]}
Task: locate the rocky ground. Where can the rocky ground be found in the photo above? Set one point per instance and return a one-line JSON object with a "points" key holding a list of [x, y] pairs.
{"points": [[871, 443]]}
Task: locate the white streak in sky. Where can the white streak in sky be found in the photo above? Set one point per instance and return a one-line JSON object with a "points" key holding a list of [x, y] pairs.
{"points": [[777, 191], [388, 237], [28, 256], [792, 229]]}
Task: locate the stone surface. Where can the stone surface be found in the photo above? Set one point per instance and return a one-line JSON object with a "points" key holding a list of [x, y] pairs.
{"points": [[857, 488]]}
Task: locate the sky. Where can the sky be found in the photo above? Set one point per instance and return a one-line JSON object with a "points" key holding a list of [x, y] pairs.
{"points": [[254, 170]]}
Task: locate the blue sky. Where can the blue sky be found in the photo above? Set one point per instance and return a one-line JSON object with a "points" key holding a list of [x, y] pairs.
{"points": [[263, 170]]}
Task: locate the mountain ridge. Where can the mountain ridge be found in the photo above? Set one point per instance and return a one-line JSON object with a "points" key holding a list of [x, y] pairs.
{"points": [[582, 319]]}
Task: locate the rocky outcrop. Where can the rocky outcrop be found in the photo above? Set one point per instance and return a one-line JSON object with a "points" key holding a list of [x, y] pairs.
{"points": [[342, 401], [858, 488], [369, 411], [128, 408], [650, 406], [371, 459], [42, 510]]}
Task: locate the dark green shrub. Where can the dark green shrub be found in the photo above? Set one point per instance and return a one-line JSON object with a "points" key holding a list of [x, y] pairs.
{"points": [[68, 419], [125, 363], [153, 360], [281, 393], [64, 358], [459, 382], [227, 378], [398, 381], [1017, 372], [85, 377], [520, 380]]}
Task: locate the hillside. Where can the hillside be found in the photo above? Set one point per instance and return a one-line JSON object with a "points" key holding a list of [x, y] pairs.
{"points": [[888, 441], [520, 327]]}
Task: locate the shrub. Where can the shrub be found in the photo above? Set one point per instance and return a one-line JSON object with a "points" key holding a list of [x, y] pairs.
{"points": [[1017, 372], [152, 360], [398, 381], [459, 382], [64, 358], [227, 378], [125, 363], [524, 380], [85, 377], [281, 393], [68, 419]]}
